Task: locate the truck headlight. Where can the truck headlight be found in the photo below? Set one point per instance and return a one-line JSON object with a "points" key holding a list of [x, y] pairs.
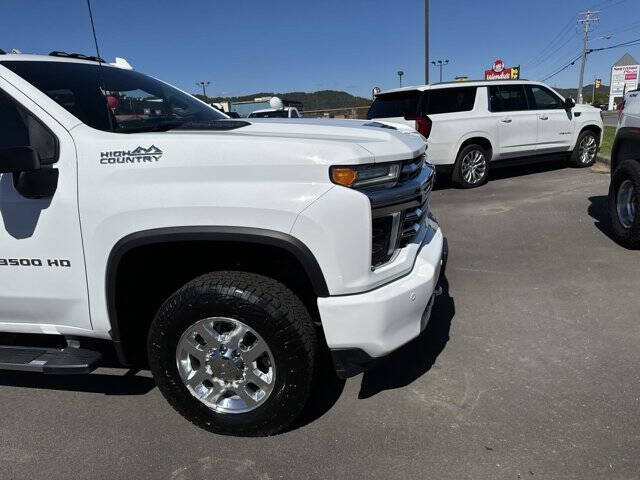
{"points": [[365, 175]]}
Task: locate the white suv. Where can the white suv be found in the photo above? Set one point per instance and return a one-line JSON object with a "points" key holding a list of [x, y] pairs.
{"points": [[230, 256], [470, 124]]}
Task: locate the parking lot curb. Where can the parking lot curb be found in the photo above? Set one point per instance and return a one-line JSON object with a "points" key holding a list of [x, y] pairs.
{"points": [[602, 165]]}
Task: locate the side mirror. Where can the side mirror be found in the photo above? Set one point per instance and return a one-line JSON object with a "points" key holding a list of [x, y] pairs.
{"points": [[29, 179], [18, 159], [569, 103]]}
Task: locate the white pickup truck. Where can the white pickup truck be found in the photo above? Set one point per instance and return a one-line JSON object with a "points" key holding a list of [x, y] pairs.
{"points": [[227, 255]]}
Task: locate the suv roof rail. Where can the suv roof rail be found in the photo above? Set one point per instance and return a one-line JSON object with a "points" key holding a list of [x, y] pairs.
{"points": [[462, 82], [79, 56]]}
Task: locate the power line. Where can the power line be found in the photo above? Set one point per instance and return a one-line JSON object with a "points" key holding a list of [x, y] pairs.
{"points": [[613, 4], [550, 55], [571, 62], [563, 31], [618, 45]]}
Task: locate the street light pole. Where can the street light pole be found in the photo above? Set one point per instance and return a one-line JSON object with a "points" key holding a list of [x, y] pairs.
{"points": [[440, 63], [400, 74], [203, 84], [426, 42]]}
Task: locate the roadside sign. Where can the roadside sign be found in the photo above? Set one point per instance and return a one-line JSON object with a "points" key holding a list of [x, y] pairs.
{"points": [[500, 72], [598, 82]]}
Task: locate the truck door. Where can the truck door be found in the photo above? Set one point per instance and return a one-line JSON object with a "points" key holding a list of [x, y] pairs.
{"points": [[43, 285]]}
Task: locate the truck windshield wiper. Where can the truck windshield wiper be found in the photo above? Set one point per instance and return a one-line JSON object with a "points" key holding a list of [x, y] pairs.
{"points": [[167, 125], [162, 126]]}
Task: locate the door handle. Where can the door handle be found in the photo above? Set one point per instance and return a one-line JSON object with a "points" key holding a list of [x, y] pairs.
{"points": [[506, 120], [543, 117]]}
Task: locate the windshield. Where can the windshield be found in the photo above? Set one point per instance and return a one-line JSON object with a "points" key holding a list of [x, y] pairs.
{"points": [[113, 99]]}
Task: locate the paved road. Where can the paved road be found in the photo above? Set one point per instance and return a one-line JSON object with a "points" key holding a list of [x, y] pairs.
{"points": [[530, 368]]}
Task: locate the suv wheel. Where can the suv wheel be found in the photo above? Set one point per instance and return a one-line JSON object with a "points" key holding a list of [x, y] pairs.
{"points": [[472, 167], [624, 204], [586, 149], [234, 353]]}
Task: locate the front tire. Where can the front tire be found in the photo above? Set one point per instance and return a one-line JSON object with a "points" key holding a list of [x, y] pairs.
{"points": [[624, 204], [586, 150], [234, 353], [472, 167]]}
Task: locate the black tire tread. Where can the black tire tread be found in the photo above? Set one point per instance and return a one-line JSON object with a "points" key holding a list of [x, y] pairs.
{"points": [[574, 161], [287, 315], [627, 237], [456, 175]]}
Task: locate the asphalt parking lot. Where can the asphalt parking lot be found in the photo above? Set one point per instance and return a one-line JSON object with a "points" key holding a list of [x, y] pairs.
{"points": [[529, 368]]}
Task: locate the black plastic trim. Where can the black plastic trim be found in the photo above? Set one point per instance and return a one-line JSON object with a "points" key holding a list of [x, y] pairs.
{"points": [[204, 234], [624, 134], [349, 362]]}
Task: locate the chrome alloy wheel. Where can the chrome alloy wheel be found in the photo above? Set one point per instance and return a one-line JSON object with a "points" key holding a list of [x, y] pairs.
{"points": [[587, 149], [226, 365], [625, 204], [474, 166]]}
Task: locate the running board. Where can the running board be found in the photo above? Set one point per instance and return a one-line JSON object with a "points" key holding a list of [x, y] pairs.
{"points": [[66, 361]]}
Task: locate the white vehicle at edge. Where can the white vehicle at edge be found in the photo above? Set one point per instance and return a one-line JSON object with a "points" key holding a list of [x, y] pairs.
{"points": [[624, 190], [228, 254], [471, 126], [277, 110]]}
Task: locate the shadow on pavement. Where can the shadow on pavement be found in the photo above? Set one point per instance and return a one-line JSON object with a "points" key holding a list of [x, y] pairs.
{"points": [[325, 392], [443, 176], [599, 211], [414, 359], [128, 384]]}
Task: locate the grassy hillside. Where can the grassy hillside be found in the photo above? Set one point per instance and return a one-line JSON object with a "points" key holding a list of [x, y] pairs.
{"points": [[602, 94], [323, 99]]}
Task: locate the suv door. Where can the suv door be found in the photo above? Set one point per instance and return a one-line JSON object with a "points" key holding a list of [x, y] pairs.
{"points": [[43, 286], [555, 128], [516, 125]]}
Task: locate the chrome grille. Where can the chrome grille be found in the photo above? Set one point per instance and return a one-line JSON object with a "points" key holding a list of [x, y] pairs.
{"points": [[399, 212]]}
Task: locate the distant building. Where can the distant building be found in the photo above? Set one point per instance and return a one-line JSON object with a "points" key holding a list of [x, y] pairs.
{"points": [[624, 77]]}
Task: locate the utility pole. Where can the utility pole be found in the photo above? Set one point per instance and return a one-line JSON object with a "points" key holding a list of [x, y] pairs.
{"points": [[587, 18], [440, 63], [426, 42], [400, 73], [203, 85]]}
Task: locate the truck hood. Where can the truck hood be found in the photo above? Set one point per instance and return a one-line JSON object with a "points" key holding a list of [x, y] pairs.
{"points": [[385, 142]]}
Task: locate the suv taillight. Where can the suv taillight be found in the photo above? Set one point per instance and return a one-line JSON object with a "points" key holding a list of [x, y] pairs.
{"points": [[423, 124]]}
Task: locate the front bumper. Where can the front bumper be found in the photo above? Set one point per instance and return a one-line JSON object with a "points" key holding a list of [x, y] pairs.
{"points": [[362, 328]]}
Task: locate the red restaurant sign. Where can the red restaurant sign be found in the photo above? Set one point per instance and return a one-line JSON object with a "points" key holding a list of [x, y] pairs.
{"points": [[499, 72]]}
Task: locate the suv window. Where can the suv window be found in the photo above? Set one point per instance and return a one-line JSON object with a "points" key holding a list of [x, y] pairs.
{"points": [[113, 99], [449, 100], [18, 128], [397, 104], [507, 98], [541, 98]]}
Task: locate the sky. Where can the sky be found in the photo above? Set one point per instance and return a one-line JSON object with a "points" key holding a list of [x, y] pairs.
{"points": [[250, 46]]}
